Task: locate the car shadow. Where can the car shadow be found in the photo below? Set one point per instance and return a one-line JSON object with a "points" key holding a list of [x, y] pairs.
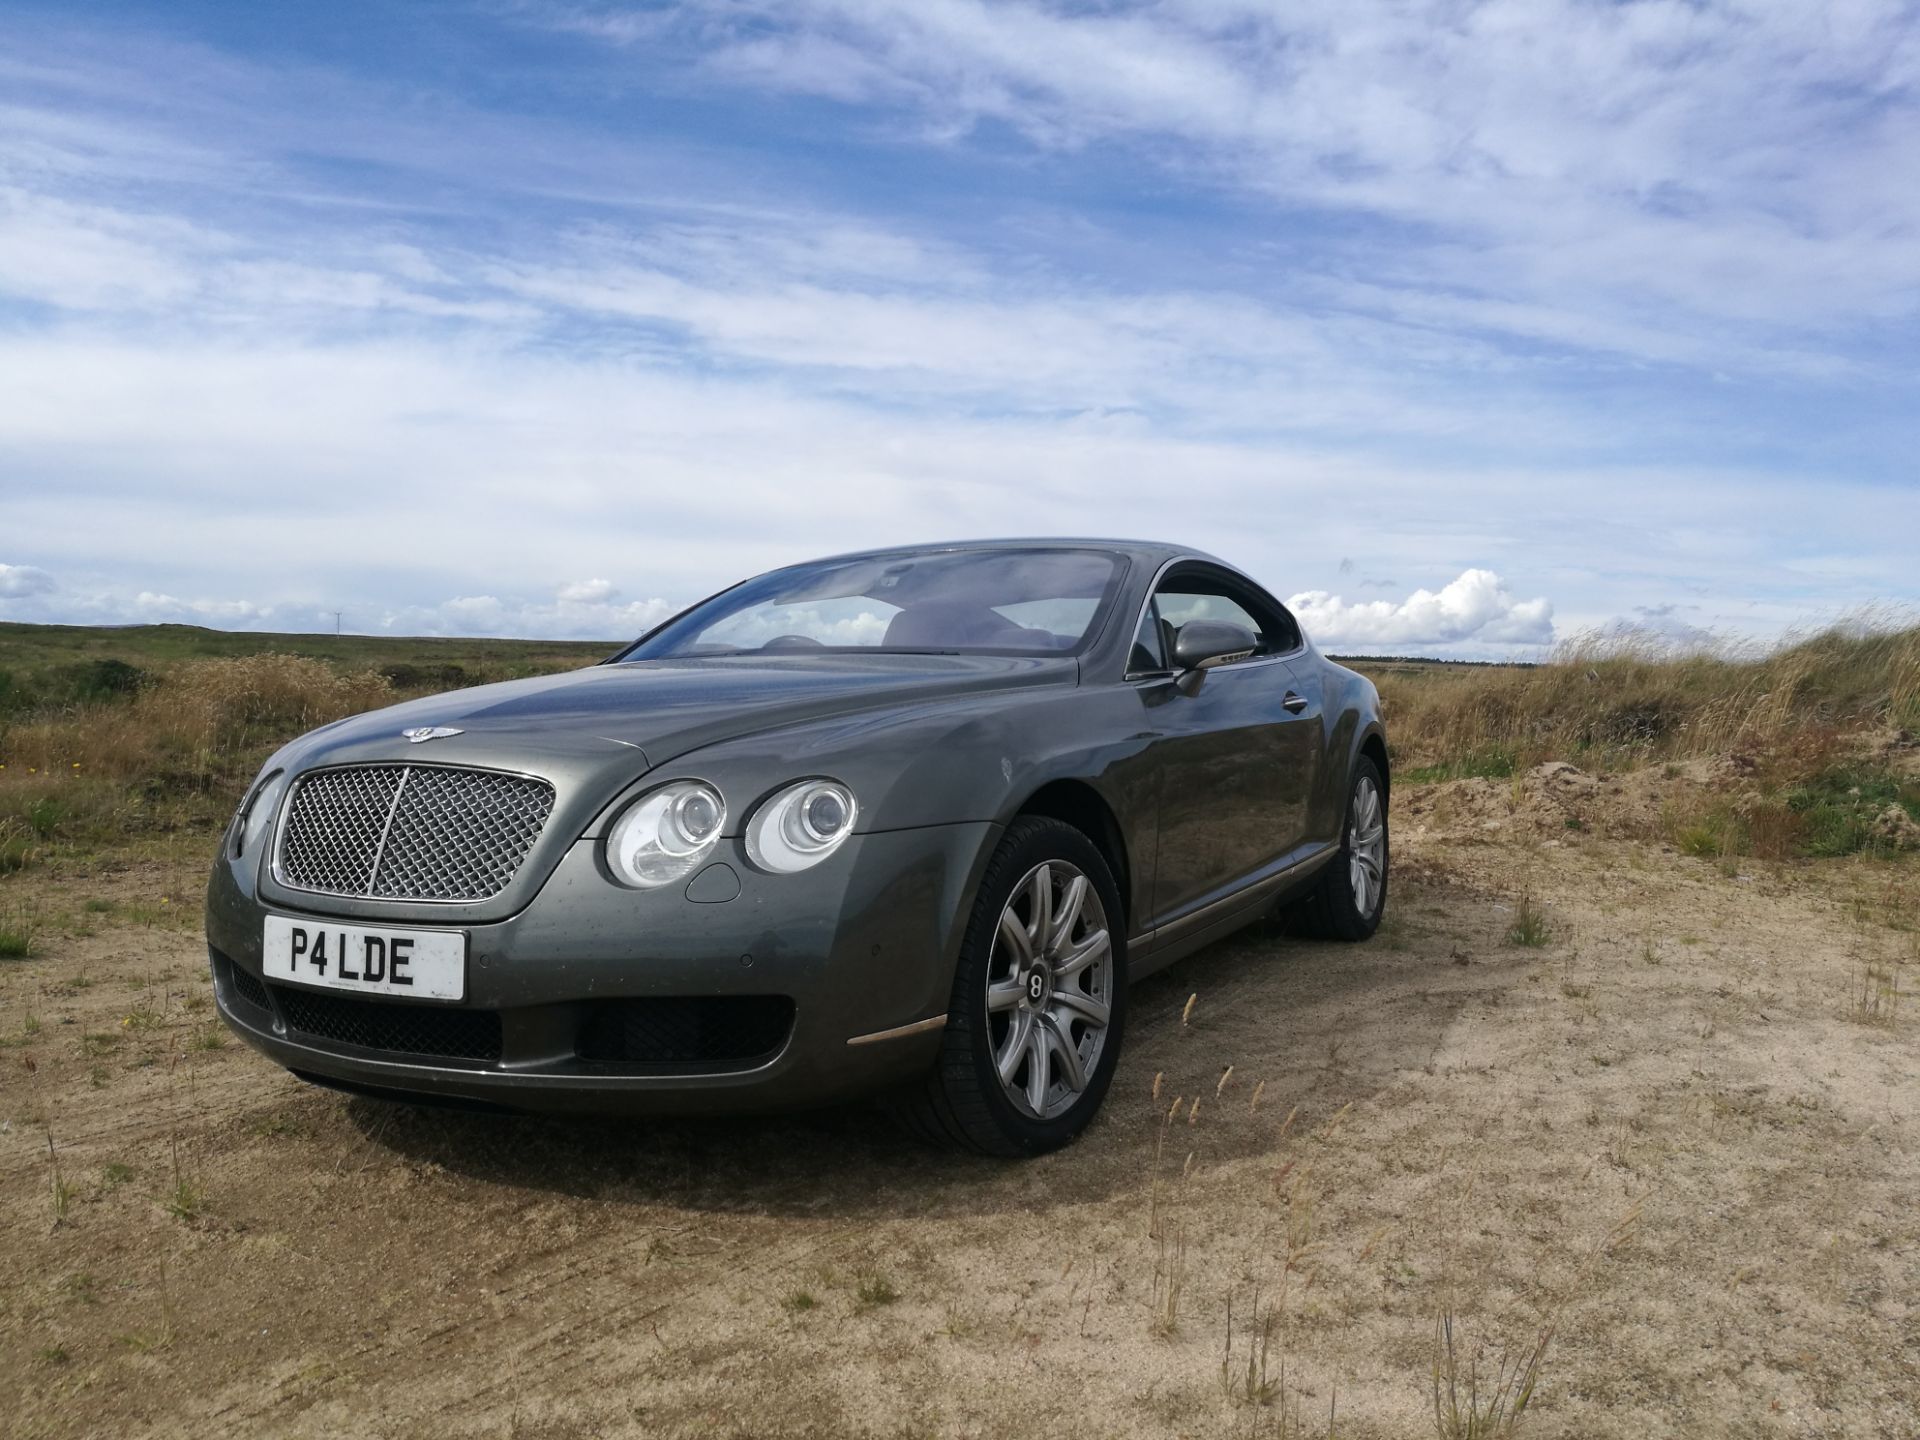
{"points": [[1314, 1025]]}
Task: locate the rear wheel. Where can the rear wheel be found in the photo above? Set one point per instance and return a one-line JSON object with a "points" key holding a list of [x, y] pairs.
{"points": [[1039, 1000], [1351, 894]]}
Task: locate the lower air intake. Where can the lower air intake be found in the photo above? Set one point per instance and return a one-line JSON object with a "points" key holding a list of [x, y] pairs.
{"points": [[446, 1034], [690, 1030]]}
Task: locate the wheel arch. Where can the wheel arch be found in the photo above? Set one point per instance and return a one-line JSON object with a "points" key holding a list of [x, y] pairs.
{"points": [[1374, 747], [1076, 803]]}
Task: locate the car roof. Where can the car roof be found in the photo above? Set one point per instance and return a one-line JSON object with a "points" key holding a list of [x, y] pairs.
{"points": [[1153, 552]]}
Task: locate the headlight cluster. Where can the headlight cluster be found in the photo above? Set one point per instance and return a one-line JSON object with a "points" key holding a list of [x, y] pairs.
{"points": [[667, 833], [801, 826]]}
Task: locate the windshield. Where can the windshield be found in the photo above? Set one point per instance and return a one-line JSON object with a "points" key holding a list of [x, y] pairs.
{"points": [[999, 602]]}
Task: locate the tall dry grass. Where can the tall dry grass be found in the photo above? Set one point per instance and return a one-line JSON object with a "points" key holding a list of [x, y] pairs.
{"points": [[175, 755], [1622, 699]]}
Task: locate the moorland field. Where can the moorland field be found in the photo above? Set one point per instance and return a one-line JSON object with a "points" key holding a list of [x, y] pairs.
{"points": [[1613, 1131]]}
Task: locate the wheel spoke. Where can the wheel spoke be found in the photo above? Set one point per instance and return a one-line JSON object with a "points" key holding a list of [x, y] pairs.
{"points": [[1007, 1062], [1094, 1012], [1061, 1040], [1039, 909], [1368, 838], [1037, 1067], [1004, 996], [1016, 938], [1068, 915], [1090, 951]]}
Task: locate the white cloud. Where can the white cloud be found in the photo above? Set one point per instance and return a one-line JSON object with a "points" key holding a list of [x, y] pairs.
{"points": [[380, 478], [234, 614], [579, 611], [19, 581], [585, 592], [1595, 174], [1476, 608], [589, 611]]}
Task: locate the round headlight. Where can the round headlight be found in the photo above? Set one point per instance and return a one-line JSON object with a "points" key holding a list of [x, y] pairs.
{"points": [[801, 826], [666, 833]]}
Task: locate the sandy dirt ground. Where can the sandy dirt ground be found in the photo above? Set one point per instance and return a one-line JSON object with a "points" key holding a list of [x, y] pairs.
{"points": [[1672, 1138]]}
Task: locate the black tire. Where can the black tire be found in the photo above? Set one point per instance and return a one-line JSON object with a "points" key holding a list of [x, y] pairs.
{"points": [[1331, 910], [962, 1104]]}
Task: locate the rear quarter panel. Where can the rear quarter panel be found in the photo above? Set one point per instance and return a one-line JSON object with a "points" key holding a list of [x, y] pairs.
{"points": [[1350, 710]]}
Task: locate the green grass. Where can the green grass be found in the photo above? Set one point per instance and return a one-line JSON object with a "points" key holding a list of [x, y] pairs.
{"points": [[184, 1200], [1840, 809], [17, 852], [1487, 762], [874, 1290], [16, 940], [1530, 927], [1716, 833]]}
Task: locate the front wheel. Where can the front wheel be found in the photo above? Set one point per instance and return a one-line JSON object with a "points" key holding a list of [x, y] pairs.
{"points": [[1351, 894], [1039, 1000]]}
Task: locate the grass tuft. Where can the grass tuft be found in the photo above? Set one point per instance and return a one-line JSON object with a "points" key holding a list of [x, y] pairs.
{"points": [[17, 938], [1874, 999], [184, 1200], [1530, 927], [1469, 1405]]}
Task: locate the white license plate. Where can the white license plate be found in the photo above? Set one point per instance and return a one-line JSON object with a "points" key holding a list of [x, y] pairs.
{"points": [[425, 964]]}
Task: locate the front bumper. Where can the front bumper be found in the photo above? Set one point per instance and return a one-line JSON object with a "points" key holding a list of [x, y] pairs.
{"points": [[863, 944]]}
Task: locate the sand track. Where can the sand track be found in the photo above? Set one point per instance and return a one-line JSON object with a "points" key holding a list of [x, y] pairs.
{"points": [[1469, 1120]]}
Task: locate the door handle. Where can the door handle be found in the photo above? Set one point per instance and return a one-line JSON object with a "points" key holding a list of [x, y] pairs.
{"points": [[1294, 703]]}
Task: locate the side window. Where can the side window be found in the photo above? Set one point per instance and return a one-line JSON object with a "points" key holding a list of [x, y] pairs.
{"points": [[1197, 595], [1149, 653]]}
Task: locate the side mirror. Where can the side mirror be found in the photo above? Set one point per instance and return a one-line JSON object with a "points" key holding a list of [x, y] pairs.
{"points": [[1200, 645]]}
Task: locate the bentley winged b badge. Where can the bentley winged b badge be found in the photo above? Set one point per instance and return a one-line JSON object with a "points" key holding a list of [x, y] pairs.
{"points": [[430, 732]]}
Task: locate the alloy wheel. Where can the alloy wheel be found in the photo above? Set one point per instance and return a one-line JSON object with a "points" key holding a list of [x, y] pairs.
{"points": [[1049, 989], [1366, 846]]}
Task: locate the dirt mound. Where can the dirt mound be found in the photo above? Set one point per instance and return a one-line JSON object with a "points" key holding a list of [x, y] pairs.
{"points": [[1557, 797]]}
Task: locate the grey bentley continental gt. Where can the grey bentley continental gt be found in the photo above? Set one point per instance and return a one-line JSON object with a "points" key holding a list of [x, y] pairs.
{"points": [[903, 823]]}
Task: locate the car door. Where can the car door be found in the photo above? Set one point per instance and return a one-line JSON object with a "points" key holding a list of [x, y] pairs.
{"points": [[1236, 760]]}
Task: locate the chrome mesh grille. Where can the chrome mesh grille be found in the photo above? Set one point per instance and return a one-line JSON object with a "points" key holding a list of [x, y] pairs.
{"points": [[410, 832]]}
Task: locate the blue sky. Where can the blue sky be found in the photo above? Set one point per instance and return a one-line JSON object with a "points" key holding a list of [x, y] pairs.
{"points": [[1468, 326]]}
